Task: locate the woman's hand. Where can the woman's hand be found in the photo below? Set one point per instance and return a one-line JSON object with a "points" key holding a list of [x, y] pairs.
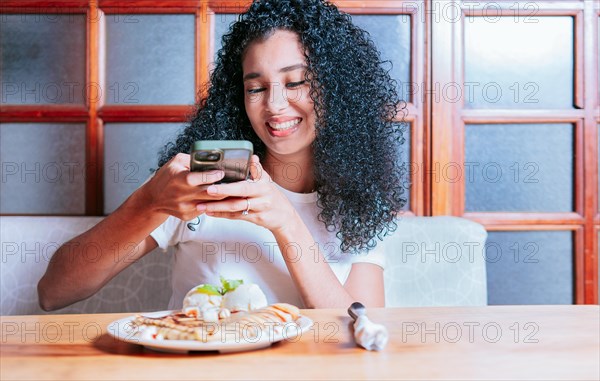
{"points": [[176, 191], [266, 205]]}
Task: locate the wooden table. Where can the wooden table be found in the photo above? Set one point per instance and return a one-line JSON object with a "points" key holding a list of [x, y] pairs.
{"points": [[500, 342]]}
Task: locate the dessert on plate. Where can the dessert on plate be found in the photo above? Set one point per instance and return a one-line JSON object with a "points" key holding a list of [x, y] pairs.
{"points": [[233, 311]]}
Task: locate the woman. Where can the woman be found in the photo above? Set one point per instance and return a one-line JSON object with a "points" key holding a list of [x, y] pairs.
{"points": [[305, 85]]}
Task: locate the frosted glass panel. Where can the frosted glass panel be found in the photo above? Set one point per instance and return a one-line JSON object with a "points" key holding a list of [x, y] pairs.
{"points": [[42, 58], [150, 59], [530, 267], [519, 167], [519, 63], [391, 35], [222, 24], [130, 152], [43, 168], [411, 170]]}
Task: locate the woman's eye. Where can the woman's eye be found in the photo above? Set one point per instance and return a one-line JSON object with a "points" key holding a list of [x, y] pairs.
{"points": [[295, 84], [255, 90]]}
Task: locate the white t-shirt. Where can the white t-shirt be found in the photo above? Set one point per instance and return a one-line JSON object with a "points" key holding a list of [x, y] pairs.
{"points": [[242, 250]]}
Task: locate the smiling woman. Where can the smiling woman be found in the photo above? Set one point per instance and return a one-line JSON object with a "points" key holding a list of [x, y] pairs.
{"points": [[355, 101], [325, 187], [278, 104]]}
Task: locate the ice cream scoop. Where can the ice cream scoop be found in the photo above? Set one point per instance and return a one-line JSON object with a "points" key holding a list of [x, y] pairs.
{"points": [[245, 297], [202, 302], [369, 335]]}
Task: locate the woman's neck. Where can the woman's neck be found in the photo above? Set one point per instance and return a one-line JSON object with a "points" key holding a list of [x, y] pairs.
{"points": [[292, 172]]}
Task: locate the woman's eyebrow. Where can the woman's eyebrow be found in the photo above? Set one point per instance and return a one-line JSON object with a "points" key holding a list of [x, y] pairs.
{"points": [[282, 70], [292, 68]]}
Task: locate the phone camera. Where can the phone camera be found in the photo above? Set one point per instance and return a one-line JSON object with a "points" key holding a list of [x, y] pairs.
{"points": [[208, 156]]}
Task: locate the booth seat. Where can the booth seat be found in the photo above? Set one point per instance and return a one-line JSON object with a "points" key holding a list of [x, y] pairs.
{"points": [[431, 261]]}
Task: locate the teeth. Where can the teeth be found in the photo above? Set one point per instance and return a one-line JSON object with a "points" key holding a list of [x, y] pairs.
{"points": [[285, 125]]}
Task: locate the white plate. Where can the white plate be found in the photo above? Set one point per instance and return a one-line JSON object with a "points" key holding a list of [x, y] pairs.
{"points": [[124, 330]]}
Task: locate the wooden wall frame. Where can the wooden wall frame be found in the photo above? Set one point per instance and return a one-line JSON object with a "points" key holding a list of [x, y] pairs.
{"points": [[437, 129], [448, 128], [592, 131]]}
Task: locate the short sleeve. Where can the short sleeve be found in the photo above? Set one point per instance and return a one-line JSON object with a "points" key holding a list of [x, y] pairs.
{"points": [[375, 256], [169, 233]]}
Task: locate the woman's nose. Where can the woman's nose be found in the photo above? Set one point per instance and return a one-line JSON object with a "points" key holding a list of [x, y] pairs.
{"points": [[277, 99]]}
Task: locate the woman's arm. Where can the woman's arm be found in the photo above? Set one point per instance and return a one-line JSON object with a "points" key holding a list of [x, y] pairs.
{"points": [[316, 281], [80, 267]]}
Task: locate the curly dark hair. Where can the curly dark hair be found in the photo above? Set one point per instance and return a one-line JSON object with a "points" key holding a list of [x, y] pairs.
{"points": [[357, 173]]}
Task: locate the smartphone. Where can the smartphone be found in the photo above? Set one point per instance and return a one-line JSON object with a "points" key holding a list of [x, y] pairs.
{"points": [[231, 156]]}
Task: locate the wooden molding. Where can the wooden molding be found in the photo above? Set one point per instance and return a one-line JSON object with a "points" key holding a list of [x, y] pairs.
{"points": [[43, 113], [525, 218], [94, 194], [590, 152], [147, 113], [487, 116]]}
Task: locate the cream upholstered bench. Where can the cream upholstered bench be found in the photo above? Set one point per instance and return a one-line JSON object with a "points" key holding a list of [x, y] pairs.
{"points": [[28, 244], [416, 275], [436, 261]]}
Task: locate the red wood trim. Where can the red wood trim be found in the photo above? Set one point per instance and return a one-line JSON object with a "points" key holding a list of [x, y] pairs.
{"points": [[426, 107], [522, 218], [347, 6], [149, 4], [579, 80], [579, 166], [412, 109], [147, 10], [48, 10], [45, 3], [410, 114], [382, 7], [94, 140], [591, 266], [410, 118], [100, 66], [415, 173], [520, 8], [204, 41], [458, 135], [408, 213], [579, 265], [534, 227], [442, 112], [26, 113], [227, 6], [590, 152], [149, 113], [418, 134], [521, 116]]}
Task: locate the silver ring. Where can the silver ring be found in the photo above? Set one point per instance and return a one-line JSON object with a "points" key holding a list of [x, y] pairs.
{"points": [[245, 212]]}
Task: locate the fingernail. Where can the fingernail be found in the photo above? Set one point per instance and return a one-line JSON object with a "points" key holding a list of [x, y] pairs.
{"points": [[201, 207], [212, 189]]}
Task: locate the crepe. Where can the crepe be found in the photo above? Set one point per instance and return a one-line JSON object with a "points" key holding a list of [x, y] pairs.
{"points": [[249, 326]]}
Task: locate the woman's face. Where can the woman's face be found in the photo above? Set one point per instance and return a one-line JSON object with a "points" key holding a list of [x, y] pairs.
{"points": [[277, 96]]}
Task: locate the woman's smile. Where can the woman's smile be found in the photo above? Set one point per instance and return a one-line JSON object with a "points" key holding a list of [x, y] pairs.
{"points": [[281, 127]]}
